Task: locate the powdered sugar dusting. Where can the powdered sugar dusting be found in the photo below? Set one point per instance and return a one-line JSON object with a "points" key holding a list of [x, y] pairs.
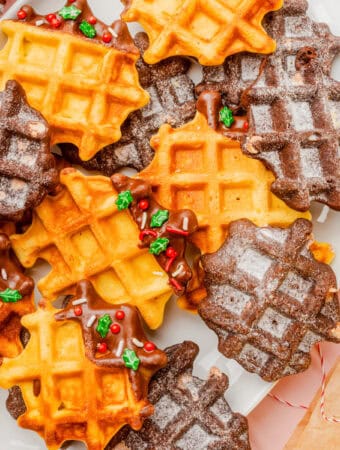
{"points": [[254, 263], [296, 286], [165, 410], [262, 117], [274, 323], [310, 162], [302, 116], [195, 439]]}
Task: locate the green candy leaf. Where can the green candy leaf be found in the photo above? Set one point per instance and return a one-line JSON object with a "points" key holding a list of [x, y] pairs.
{"points": [[103, 326], [87, 29], [159, 218], [10, 296], [130, 359], [158, 246], [69, 12], [124, 200], [226, 117]]}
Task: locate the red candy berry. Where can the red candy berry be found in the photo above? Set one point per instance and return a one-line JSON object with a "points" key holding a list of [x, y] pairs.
{"points": [[78, 311], [143, 204], [149, 346], [71, 1], [102, 347], [246, 126], [56, 22], [171, 252], [120, 315], [50, 17], [115, 328], [107, 37], [92, 20], [21, 14]]}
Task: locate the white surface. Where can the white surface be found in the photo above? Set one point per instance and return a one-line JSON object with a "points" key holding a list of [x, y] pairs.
{"points": [[246, 390]]}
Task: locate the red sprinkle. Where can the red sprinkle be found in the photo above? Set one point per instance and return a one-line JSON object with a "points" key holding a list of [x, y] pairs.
{"points": [[149, 346], [107, 37], [102, 347], [143, 204], [246, 126], [21, 14], [92, 20], [177, 231], [144, 233], [120, 315], [176, 284], [171, 252], [78, 310], [56, 23], [50, 17], [115, 328], [71, 1]]}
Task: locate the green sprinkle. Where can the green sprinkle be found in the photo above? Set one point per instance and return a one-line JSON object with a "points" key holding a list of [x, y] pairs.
{"points": [[226, 117], [158, 246], [104, 325], [10, 296], [87, 29], [124, 200], [130, 359], [159, 218], [69, 12]]}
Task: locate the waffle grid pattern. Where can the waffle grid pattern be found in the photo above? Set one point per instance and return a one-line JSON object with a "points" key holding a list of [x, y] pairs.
{"points": [[268, 298], [82, 235], [68, 405], [86, 111], [199, 169], [229, 27]]}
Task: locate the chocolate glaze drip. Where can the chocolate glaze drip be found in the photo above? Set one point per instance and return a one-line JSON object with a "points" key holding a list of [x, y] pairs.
{"points": [[121, 38], [130, 329], [179, 270], [11, 273], [209, 104]]}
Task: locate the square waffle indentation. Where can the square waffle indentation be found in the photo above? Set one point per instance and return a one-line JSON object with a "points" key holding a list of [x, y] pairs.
{"points": [[87, 245], [236, 196], [180, 163], [201, 21], [274, 323], [37, 88], [86, 63], [296, 287], [65, 106], [108, 282], [69, 392], [38, 52], [194, 197], [108, 395]]}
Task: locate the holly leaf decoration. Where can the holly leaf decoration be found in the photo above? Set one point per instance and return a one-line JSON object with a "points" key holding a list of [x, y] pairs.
{"points": [[226, 117], [69, 12], [10, 296], [158, 246], [103, 326], [87, 29], [130, 359], [124, 200], [159, 218]]}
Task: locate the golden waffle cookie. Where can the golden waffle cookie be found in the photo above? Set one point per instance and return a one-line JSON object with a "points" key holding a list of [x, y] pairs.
{"points": [[16, 297], [84, 89], [82, 235], [209, 30], [197, 168], [68, 397]]}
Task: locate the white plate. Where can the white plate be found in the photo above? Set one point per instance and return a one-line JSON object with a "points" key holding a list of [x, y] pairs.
{"points": [[246, 390]]}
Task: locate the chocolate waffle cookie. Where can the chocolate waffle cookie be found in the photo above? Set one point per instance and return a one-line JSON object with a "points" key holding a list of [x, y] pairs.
{"points": [[293, 106], [172, 101], [27, 167], [268, 299], [189, 413]]}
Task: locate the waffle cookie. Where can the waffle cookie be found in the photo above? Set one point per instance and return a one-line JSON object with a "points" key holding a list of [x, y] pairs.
{"points": [[268, 299], [68, 397], [209, 30], [197, 168], [189, 413], [16, 300], [163, 232], [172, 101], [82, 235], [81, 76], [27, 167], [293, 106]]}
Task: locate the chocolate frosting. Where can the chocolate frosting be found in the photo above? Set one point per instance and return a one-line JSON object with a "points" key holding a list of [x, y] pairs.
{"points": [[209, 104], [179, 271], [131, 332], [121, 38]]}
